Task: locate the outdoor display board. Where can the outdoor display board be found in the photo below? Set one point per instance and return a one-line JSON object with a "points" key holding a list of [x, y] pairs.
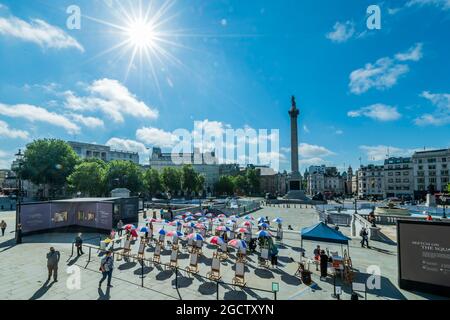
{"points": [[53, 215], [424, 256]]}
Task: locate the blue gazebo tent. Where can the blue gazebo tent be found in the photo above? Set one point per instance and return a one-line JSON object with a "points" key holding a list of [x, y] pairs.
{"points": [[323, 233]]}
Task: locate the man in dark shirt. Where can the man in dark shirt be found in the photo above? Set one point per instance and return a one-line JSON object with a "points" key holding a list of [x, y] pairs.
{"points": [[79, 245], [52, 264]]}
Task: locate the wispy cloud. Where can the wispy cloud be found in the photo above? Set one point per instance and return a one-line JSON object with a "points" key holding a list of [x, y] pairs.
{"points": [[127, 145], [380, 112], [441, 115], [306, 150], [342, 32], [89, 122], [111, 98], [156, 137], [39, 32], [443, 4], [413, 54], [385, 72], [38, 114], [381, 152], [7, 132]]}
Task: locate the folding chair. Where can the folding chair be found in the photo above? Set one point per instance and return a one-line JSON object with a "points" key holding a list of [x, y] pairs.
{"points": [[174, 259], [157, 254], [264, 258], [193, 264], [239, 276], [214, 274]]}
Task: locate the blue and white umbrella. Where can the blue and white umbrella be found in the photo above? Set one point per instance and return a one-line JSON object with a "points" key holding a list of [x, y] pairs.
{"points": [[278, 220], [264, 225], [261, 219], [263, 234], [162, 232], [144, 229], [189, 218]]}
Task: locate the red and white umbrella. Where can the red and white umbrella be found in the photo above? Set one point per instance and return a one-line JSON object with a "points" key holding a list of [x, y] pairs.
{"points": [[247, 224], [129, 227], [209, 215], [195, 236], [222, 216], [236, 243], [241, 230], [175, 234], [200, 226], [222, 228], [216, 240]]}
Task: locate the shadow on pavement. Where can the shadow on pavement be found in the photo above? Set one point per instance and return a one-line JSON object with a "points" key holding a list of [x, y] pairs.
{"points": [[104, 295], [42, 290]]}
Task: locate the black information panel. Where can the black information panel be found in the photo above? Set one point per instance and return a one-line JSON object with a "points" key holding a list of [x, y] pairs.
{"points": [[424, 256]]}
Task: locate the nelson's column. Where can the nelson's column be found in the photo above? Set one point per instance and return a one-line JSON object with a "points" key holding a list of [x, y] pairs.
{"points": [[295, 179]]}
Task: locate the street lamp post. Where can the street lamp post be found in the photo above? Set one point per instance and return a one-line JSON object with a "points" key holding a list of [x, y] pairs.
{"points": [[18, 233], [444, 204]]}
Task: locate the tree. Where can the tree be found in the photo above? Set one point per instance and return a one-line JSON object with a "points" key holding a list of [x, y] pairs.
{"points": [[225, 185], [200, 183], [448, 188], [124, 174], [152, 182], [89, 178], [252, 177], [240, 184], [49, 162], [171, 179], [189, 179]]}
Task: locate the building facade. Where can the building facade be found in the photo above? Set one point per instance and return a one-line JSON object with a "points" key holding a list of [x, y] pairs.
{"points": [[430, 171], [398, 178], [325, 180], [105, 153], [371, 181]]}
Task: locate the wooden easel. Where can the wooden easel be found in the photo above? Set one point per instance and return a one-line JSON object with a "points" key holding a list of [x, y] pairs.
{"points": [[214, 274], [239, 276], [141, 252], [193, 263], [157, 254], [127, 249], [264, 258], [174, 258]]}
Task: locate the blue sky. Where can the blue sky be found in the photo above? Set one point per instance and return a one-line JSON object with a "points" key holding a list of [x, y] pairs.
{"points": [[229, 63]]}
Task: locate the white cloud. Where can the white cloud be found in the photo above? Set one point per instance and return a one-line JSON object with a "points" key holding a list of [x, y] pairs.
{"points": [[312, 162], [156, 137], [39, 32], [7, 132], [444, 4], [341, 32], [113, 99], [89, 122], [381, 152], [441, 115], [127, 145], [306, 129], [310, 151], [339, 132], [383, 74], [413, 54], [380, 112], [38, 114]]}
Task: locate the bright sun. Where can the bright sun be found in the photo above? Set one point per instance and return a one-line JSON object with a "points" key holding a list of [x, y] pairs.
{"points": [[141, 34]]}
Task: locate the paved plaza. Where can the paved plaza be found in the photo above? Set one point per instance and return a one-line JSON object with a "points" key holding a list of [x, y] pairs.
{"points": [[23, 270]]}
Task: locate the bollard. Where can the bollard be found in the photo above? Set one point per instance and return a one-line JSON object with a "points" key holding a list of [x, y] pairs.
{"points": [[275, 295], [142, 273], [176, 277], [217, 291], [89, 258]]}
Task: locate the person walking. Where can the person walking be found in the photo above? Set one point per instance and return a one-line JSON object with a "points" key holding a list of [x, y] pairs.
{"points": [[120, 227], [365, 237], [79, 244], [52, 264], [106, 267], [3, 226]]}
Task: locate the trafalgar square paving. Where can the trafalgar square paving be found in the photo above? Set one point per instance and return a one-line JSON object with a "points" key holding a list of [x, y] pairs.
{"points": [[23, 270]]}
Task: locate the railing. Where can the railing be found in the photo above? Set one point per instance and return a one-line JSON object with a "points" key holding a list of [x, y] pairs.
{"points": [[73, 244], [176, 270]]}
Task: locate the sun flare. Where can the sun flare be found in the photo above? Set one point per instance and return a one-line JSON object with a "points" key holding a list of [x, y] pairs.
{"points": [[141, 34]]}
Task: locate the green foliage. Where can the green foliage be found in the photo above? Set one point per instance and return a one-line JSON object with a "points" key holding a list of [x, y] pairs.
{"points": [[89, 178], [171, 180], [124, 174], [49, 161], [253, 182], [240, 184], [152, 181], [191, 180], [225, 185]]}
